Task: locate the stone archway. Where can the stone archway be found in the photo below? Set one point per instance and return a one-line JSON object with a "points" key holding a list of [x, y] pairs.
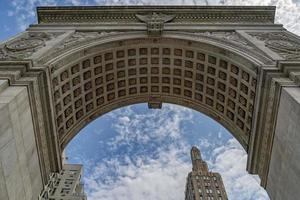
{"points": [[140, 70], [71, 68]]}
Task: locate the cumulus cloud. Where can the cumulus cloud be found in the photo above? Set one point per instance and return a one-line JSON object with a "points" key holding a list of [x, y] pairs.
{"points": [[160, 179], [152, 162], [287, 11], [156, 174], [154, 2], [24, 11], [230, 160], [146, 127]]}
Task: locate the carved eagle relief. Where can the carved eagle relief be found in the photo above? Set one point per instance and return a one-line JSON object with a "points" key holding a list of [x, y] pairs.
{"points": [[155, 22]]}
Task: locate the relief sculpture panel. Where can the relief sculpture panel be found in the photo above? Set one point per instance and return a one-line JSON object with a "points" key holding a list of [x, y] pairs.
{"points": [[227, 36], [25, 45], [281, 43], [76, 39]]}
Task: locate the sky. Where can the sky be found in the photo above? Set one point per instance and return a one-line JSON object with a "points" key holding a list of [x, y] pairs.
{"points": [[135, 153]]}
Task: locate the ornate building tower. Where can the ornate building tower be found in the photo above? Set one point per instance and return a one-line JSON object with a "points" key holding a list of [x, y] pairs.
{"points": [[202, 184], [65, 185]]}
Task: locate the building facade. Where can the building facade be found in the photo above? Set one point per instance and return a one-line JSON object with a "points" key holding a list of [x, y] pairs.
{"points": [[64, 185], [201, 183]]}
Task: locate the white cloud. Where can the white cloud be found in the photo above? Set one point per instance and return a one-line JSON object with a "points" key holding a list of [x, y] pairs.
{"points": [[160, 179], [153, 2], [24, 11], [143, 127], [287, 11], [163, 176], [6, 28], [141, 176], [230, 161], [204, 143], [75, 2]]}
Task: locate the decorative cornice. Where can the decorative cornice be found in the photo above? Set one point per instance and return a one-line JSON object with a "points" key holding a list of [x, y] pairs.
{"points": [[184, 14]]}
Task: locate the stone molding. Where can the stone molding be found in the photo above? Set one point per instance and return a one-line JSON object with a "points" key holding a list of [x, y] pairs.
{"points": [[272, 81], [22, 73], [225, 39], [184, 14]]}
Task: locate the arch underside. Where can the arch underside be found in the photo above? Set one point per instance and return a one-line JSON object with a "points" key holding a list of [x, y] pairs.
{"points": [[164, 70]]}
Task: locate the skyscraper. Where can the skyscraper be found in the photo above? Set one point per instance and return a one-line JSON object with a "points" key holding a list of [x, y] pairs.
{"points": [[65, 185], [202, 184]]}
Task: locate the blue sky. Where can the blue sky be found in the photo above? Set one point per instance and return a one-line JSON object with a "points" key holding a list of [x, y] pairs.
{"points": [[134, 153]]}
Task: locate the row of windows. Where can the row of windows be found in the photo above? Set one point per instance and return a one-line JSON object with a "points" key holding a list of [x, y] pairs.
{"points": [[210, 198], [209, 191], [206, 177]]}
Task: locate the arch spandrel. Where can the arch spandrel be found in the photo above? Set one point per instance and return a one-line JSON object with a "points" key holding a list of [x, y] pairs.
{"points": [[229, 43], [199, 76]]}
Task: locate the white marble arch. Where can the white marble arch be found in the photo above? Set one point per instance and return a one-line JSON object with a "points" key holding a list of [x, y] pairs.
{"points": [[221, 70]]}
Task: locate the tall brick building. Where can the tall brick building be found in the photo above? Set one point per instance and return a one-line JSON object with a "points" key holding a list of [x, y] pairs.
{"points": [[201, 183]]}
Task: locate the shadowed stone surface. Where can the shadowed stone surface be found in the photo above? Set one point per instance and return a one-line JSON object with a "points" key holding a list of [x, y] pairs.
{"points": [[284, 167], [19, 165]]}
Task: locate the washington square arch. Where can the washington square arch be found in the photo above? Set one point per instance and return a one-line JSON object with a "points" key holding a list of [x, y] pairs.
{"points": [[233, 64]]}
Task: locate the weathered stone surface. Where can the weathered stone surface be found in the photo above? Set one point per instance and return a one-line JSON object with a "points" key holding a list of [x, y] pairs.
{"points": [[24, 46], [284, 179], [155, 22], [18, 154], [3, 190], [282, 43], [184, 14]]}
